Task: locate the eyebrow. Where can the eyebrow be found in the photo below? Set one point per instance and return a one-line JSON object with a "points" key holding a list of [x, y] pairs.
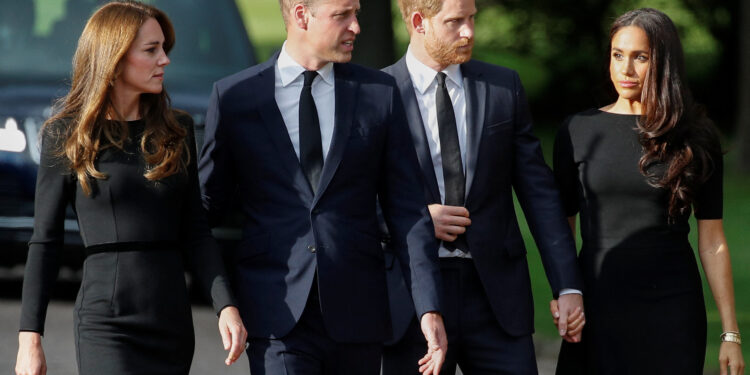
{"points": [[637, 51], [153, 43]]}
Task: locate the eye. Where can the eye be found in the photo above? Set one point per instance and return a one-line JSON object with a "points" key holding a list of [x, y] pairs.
{"points": [[617, 56], [642, 58], [151, 50]]}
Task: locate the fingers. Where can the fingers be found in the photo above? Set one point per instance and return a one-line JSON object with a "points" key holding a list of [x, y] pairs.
{"points": [[562, 323]]}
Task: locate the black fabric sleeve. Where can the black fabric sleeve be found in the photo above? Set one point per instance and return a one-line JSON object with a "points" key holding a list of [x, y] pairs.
{"points": [[709, 199], [566, 172], [203, 252], [55, 187]]}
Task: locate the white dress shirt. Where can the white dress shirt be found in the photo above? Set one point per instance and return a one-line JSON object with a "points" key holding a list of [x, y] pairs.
{"points": [[425, 85], [288, 87]]}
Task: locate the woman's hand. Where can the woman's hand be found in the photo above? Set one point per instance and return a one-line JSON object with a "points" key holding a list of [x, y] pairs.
{"points": [[30, 360], [233, 333], [730, 359]]}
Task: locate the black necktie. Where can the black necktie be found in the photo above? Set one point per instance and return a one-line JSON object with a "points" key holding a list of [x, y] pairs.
{"points": [[310, 145], [450, 152]]}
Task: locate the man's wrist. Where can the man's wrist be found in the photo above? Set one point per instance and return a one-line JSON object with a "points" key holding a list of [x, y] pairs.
{"points": [[565, 291]]}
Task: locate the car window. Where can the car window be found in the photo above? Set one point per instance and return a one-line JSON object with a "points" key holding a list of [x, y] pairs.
{"points": [[38, 38]]}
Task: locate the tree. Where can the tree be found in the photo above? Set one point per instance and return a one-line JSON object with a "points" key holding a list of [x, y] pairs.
{"points": [[743, 104], [374, 46]]}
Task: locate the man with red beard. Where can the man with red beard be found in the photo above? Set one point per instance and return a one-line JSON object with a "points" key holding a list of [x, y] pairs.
{"points": [[472, 130]]}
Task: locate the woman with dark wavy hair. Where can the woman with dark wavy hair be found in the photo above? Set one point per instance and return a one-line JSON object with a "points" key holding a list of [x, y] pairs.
{"points": [[635, 170], [126, 162]]}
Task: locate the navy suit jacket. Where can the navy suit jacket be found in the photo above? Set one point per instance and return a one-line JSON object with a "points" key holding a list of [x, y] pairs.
{"points": [[502, 155], [289, 232]]}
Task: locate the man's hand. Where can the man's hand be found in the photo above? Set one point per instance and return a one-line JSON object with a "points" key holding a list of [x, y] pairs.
{"points": [[30, 360], [449, 221], [567, 314], [233, 333], [437, 343]]}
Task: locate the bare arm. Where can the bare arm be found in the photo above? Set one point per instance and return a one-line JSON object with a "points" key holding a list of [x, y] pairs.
{"points": [[714, 255]]}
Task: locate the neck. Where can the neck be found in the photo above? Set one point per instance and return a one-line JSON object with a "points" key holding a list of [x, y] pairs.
{"points": [[625, 106], [126, 104], [420, 52], [296, 48]]}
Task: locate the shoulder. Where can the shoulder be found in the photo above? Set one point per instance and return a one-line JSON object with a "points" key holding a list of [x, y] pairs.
{"points": [[363, 75], [491, 73], [245, 75], [183, 118], [56, 130]]}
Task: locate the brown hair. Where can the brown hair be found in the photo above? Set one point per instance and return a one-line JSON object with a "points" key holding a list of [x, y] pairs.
{"points": [[674, 130], [287, 4], [103, 44], [428, 8]]}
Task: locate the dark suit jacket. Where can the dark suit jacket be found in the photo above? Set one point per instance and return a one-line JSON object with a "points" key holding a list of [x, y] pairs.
{"points": [[248, 159], [502, 155]]}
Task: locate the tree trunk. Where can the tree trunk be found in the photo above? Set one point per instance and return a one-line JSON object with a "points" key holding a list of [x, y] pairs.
{"points": [[374, 46], [743, 104]]}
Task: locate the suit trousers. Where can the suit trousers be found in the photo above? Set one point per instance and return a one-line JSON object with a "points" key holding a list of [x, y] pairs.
{"points": [[476, 342], [308, 350]]}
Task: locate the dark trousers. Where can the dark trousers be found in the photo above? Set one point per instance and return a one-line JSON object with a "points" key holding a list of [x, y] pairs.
{"points": [[308, 350], [476, 342]]}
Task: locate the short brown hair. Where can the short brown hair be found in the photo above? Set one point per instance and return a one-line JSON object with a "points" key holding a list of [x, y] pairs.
{"points": [[287, 4], [428, 8]]}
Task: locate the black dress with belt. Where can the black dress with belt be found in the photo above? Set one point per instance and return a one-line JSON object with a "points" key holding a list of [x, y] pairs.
{"points": [[644, 302], [132, 314]]}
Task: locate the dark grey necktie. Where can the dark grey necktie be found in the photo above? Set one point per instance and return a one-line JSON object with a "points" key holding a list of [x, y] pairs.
{"points": [[450, 152], [310, 144]]}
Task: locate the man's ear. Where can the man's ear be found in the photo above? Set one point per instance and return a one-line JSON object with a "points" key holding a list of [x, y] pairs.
{"points": [[300, 15], [417, 22]]}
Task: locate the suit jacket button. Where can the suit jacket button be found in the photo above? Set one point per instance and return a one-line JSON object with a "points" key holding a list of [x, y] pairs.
{"points": [[311, 248]]}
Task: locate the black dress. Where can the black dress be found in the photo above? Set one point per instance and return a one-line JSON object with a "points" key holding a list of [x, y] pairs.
{"points": [[132, 314], [645, 312]]}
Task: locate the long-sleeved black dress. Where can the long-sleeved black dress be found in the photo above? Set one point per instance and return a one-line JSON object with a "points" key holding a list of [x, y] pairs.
{"points": [[132, 314], [644, 302]]}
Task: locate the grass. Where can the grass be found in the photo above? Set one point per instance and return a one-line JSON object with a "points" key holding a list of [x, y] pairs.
{"points": [[266, 30]]}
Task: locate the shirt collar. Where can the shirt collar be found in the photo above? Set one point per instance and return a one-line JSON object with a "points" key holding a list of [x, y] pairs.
{"points": [[290, 70], [423, 76]]}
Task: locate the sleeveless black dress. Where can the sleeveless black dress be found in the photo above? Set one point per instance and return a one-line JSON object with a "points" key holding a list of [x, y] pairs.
{"points": [[132, 314], [645, 312]]}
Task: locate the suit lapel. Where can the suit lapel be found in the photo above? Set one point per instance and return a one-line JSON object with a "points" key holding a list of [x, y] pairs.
{"points": [[476, 100], [274, 123], [416, 126], [345, 98]]}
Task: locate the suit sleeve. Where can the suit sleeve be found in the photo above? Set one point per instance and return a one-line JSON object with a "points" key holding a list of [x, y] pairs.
{"points": [[406, 214], [203, 253], [215, 166], [55, 187], [535, 187]]}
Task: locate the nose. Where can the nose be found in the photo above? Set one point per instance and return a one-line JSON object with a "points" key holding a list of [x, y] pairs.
{"points": [[164, 60], [354, 26], [467, 30], [628, 68]]}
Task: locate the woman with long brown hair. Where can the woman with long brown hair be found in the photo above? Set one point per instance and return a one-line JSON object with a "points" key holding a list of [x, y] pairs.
{"points": [[127, 164], [635, 170]]}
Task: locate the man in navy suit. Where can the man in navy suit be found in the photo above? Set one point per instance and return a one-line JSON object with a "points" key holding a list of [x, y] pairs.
{"points": [[307, 144], [471, 127]]}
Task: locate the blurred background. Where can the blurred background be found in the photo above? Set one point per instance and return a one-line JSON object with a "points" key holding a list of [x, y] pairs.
{"points": [[559, 48]]}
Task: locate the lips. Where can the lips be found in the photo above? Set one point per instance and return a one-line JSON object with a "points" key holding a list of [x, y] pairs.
{"points": [[628, 84], [159, 76]]}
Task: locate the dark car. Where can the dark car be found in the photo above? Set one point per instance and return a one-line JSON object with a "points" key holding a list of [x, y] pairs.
{"points": [[37, 41]]}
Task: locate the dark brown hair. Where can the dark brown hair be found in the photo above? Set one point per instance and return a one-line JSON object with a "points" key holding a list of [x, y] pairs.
{"points": [[103, 44], [675, 132]]}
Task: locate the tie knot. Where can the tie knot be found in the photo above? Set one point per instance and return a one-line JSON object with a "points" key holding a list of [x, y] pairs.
{"points": [[441, 79], [309, 77]]}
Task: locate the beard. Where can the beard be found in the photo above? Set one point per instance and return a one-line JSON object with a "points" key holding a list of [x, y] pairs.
{"points": [[446, 53]]}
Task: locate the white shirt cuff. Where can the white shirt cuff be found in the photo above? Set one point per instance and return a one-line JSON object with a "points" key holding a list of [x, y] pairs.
{"points": [[570, 291]]}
